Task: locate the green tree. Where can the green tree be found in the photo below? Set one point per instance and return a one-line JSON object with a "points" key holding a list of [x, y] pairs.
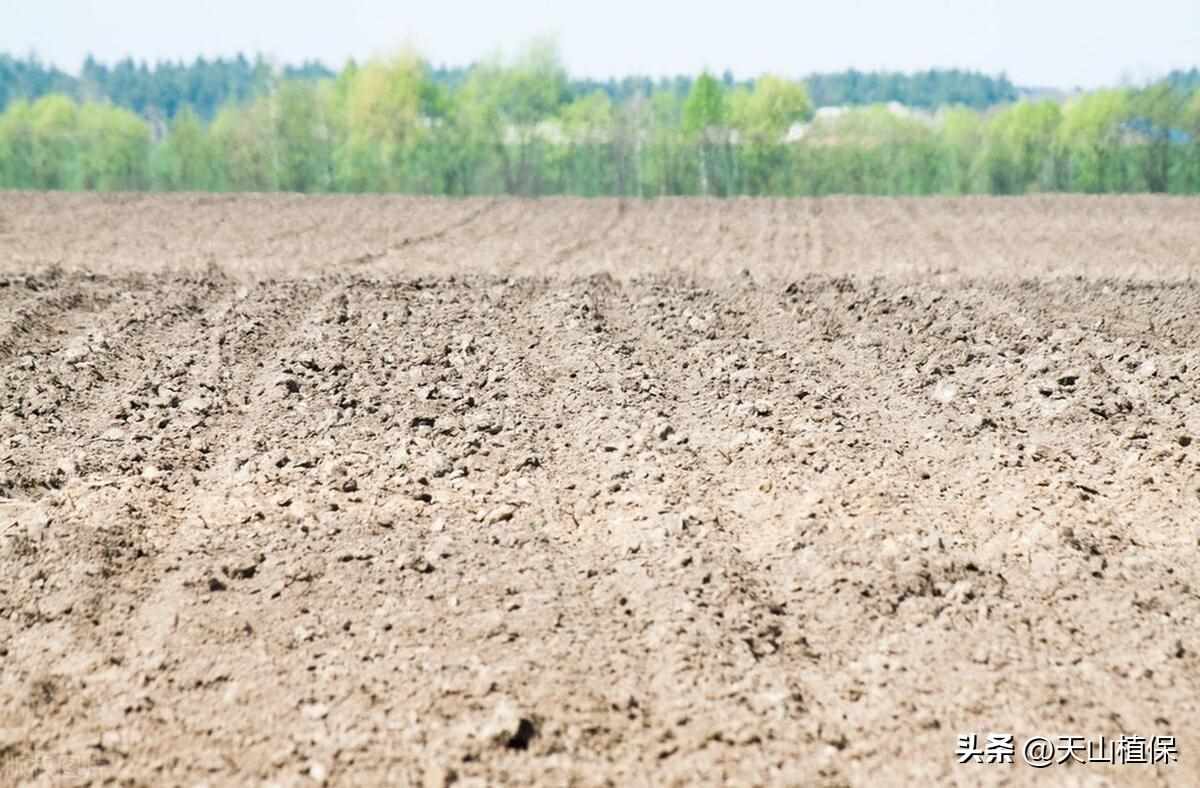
{"points": [[1090, 135], [873, 150], [1157, 114], [114, 149], [963, 137], [304, 137], [667, 164], [704, 123], [508, 109], [1020, 148], [54, 126], [767, 112], [17, 146], [1189, 167], [243, 147], [705, 108], [762, 117], [384, 121], [588, 153], [184, 159]]}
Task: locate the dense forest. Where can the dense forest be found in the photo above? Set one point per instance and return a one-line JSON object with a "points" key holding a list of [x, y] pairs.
{"points": [[161, 90], [923, 90], [1184, 80], [525, 126]]}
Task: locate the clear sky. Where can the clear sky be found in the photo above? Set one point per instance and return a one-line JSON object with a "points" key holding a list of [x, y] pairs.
{"points": [[1060, 43]]}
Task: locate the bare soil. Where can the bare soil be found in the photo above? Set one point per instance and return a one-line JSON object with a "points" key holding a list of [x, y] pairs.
{"points": [[380, 490]]}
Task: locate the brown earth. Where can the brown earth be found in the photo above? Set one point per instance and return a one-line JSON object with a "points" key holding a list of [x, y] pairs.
{"points": [[411, 491]]}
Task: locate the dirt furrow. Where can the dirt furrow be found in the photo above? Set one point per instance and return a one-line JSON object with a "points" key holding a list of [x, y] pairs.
{"points": [[571, 492]]}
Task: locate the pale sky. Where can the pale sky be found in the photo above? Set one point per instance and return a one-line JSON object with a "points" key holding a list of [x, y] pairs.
{"points": [[1059, 43]]}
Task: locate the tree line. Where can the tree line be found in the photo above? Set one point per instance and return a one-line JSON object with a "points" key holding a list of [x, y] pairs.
{"points": [[523, 126], [164, 88]]}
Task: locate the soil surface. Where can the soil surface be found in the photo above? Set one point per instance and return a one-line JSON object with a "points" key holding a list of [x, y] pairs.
{"points": [[362, 491]]}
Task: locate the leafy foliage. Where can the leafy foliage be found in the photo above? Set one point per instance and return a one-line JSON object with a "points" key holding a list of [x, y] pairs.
{"points": [[521, 125], [924, 89]]}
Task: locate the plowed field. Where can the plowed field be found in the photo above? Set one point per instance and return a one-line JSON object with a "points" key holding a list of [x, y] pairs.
{"points": [[410, 491]]}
